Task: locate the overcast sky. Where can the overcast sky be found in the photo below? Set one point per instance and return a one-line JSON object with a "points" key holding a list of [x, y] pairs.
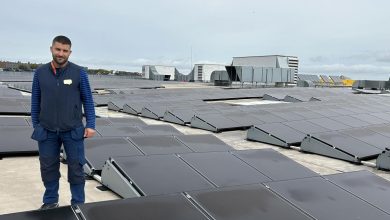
{"points": [[349, 37]]}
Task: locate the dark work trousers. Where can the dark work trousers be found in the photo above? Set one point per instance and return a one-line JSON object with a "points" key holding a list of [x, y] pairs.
{"points": [[49, 144]]}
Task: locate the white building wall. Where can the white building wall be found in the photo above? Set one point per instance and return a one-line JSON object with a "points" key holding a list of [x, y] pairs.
{"points": [[145, 71], [162, 70], [265, 61], [166, 70], [202, 72]]}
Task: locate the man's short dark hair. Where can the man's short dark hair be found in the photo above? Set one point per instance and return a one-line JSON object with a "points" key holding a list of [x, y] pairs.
{"points": [[63, 40]]}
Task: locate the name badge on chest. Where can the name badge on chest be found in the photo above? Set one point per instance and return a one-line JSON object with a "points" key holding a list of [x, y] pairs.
{"points": [[67, 81]]}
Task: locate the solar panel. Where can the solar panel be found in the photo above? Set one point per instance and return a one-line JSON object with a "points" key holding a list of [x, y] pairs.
{"points": [[224, 169], [245, 202], [307, 114], [100, 149], [274, 97], [159, 130], [214, 122], [182, 116], [368, 136], [133, 108], [350, 121], [127, 121], [203, 143], [117, 103], [156, 144], [323, 200], [11, 106], [172, 207], [160, 174], [243, 119], [329, 124], [288, 115], [366, 185], [100, 122], [153, 111], [276, 134], [305, 127], [383, 129], [382, 115], [267, 117], [273, 164], [118, 131], [15, 140], [339, 145], [62, 213], [325, 111], [341, 110], [13, 121], [370, 119]]}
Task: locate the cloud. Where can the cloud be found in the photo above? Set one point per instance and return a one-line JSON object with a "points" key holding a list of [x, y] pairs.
{"points": [[318, 59]]}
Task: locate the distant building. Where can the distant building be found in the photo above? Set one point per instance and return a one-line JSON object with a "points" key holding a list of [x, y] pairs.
{"points": [[158, 72], [274, 61], [202, 72]]}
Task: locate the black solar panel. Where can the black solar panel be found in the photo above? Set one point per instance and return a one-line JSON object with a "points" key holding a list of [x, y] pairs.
{"points": [[161, 174], [305, 127], [288, 116], [329, 124], [279, 131], [214, 122], [224, 169], [385, 116], [366, 185], [13, 121], [307, 114], [243, 119], [11, 106], [347, 144], [127, 121], [100, 149], [156, 144], [159, 130], [203, 143], [370, 119], [350, 121], [118, 131], [16, 140], [181, 116], [244, 203], [101, 122], [153, 111], [267, 117], [323, 200], [62, 213], [172, 207], [274, 165], [383, 129], [368, 136]]}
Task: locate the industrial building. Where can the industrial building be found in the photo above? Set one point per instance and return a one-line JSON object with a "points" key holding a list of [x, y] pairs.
{"points": [[274, 61], [203, 72], [158, 72]]}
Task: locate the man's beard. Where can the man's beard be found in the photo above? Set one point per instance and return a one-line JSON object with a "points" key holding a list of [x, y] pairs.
{"points": [[60, 62]]}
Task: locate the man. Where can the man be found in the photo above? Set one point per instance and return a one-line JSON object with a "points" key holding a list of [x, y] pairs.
{"points": [[59, 89]]}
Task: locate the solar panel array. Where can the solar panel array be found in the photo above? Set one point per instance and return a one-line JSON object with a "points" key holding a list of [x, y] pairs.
{"points": [[177, 176], [287, 124], [233, 185]]}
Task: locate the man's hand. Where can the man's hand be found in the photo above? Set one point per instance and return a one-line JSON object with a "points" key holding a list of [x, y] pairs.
{"points": [[89, 132]]}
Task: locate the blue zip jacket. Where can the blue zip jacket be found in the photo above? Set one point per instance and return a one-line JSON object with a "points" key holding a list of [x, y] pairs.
{"points": [[58, 96]]}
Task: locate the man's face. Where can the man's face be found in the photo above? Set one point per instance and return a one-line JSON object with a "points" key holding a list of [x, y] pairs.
{"points": [[60, 52]]}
